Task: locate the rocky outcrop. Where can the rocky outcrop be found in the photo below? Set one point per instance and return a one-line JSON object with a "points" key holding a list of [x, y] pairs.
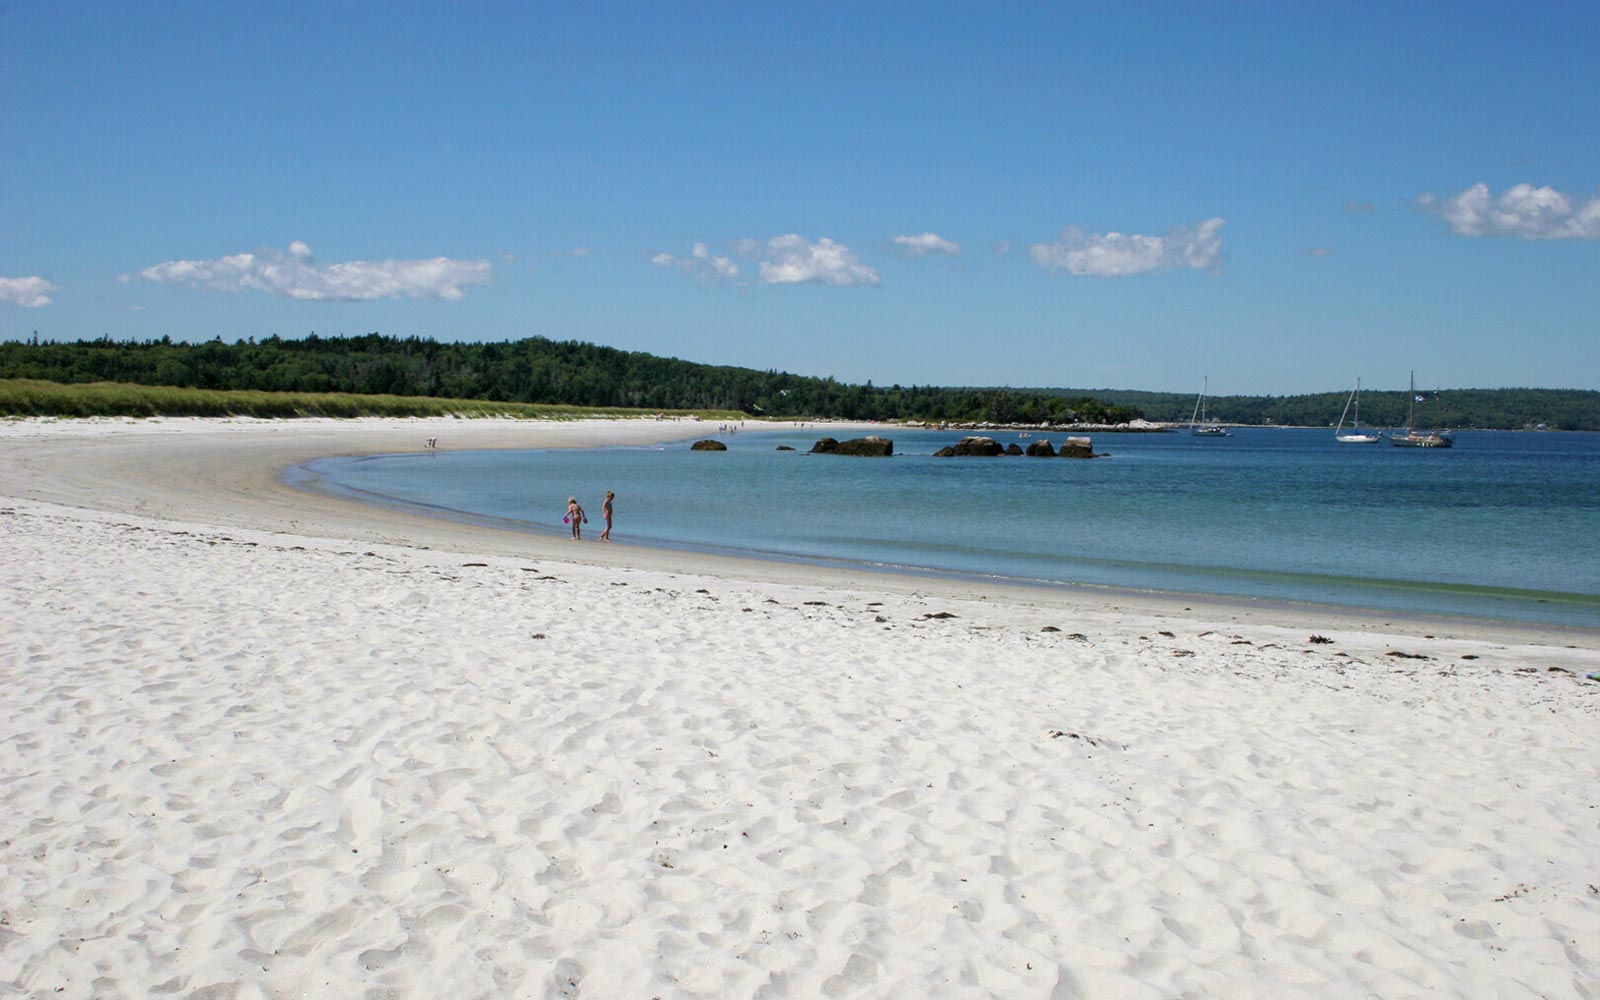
{"points": [[1076, 447], [972, 446], [867, 447], [1072, 447], [784, 447], [708, 445], [870, 447]]}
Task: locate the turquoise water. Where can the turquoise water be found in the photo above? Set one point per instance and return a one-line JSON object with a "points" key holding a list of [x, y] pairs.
{"points": [[1503, 525]]}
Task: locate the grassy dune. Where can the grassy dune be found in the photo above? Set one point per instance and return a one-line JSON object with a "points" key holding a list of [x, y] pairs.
{"points": [[34, 398]]}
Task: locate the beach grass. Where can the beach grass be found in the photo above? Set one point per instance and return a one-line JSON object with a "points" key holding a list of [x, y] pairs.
{"points": [[37, 398]]}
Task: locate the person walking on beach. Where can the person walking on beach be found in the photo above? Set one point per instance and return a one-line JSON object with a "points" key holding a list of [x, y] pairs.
{"points": [[605, 515], [576, 517]]}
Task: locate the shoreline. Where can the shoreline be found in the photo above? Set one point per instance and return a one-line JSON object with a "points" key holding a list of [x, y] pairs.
{"points": [[229, 472], [258, 743]]}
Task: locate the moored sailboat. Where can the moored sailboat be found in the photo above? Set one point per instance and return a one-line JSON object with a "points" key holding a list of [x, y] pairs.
{"points": [[1355, 436], [1414, 438], [1198, 425]]}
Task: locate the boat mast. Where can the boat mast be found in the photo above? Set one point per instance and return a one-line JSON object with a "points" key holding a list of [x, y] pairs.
{"points": [[1346, 413]]}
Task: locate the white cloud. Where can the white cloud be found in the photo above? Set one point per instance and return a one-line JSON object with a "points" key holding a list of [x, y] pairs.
{"points": [[793, 259], [1525, 211], [707, 268], [782, 260], [917, 246], [1115, 255], [1318, 252], [295, 275], [31, 292]]}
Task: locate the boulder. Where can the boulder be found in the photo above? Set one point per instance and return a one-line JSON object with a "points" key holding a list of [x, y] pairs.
{"points": [[827, 446], [1040, 449], [867, 447], [784, 447], [1076, 447], [972, 446], [708, 445], [1013, 449]]}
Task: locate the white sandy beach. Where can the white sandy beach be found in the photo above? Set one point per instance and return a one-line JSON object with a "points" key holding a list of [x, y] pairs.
{"points": [[261, 744]]}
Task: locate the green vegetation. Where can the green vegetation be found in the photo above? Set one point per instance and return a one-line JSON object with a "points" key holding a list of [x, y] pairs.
{"points": [[1499, 409], [535, 370], [33, 397], [375, 374]]}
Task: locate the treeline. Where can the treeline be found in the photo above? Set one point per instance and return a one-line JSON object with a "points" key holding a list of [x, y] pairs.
{"points": [[572, 373], [1498, 409], [534, 370]]}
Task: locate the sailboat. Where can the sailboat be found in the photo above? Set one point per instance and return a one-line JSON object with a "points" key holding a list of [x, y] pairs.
{"points": [[1355, 436], [1198, 425], [1414, 438]]}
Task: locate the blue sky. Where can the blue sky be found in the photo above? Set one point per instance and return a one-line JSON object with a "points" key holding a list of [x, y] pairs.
{"points": [[1277, 196]]}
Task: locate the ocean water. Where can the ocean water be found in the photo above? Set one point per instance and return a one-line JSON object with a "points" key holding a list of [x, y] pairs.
{"points": [[1503, 525]]}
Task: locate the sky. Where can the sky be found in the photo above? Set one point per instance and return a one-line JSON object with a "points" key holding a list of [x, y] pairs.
{"points": [[1275, 198]]}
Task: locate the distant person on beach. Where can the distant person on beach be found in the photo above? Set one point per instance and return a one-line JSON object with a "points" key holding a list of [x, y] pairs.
{"points": [[605, 515], [576, 516]]}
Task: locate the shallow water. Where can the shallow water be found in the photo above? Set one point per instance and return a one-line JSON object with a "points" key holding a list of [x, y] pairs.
{"points": [[1503, 525]]}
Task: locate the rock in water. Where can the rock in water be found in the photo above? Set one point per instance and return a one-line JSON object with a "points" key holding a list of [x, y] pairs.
{"points": [[1041, 449], [1076, 447], [972, 446], [708, 445], [868, 447], [827, 446]]}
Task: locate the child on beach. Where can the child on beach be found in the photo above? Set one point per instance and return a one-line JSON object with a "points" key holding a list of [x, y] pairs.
{"points": [[576, 516], [605, 515]]}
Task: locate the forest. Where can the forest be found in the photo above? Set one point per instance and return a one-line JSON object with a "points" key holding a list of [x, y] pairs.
{"points": [[534, 370], [1489, 409], [571, 373]]}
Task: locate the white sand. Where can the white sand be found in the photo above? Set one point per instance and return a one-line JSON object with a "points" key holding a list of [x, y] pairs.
{"points": [[259, 744]]}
